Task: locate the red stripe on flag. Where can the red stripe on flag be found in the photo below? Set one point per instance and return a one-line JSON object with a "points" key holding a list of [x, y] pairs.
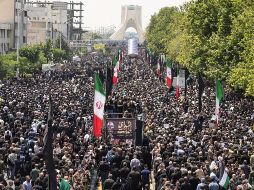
{"points": [[114, 80], [169, 82], [177, 92], [97, 126]]}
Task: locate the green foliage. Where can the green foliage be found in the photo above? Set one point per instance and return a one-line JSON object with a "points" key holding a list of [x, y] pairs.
{"points": [[32, 57], [83, 50], [58, 55], [47, 50], [8, 65], [92, 36], [31, 52], [161, 29], [212, 37], [242, 77], [25, 66], [64, 46]]}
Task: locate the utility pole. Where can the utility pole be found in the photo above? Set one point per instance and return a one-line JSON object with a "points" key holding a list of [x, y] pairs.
{"points": [[18, 38], [60, 29]]}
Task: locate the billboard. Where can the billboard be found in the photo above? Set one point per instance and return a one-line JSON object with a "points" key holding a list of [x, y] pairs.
{"points": [[121, 128]]}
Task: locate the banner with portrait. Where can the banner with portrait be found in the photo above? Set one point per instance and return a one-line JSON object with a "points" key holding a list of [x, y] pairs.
{"points": [[121, 128]]}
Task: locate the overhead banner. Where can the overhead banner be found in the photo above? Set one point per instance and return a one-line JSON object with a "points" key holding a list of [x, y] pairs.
{"points": [[122, 128], [132, 47]]}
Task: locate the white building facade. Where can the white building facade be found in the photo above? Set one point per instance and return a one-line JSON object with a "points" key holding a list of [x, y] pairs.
{"points": [[13, 21]]}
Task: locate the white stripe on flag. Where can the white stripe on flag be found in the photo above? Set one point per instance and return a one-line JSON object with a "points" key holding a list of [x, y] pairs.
{"points": [[99, 102], [224, 180]]}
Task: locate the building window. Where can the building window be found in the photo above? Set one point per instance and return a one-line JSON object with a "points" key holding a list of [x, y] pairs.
{"points": [[24, 39]]}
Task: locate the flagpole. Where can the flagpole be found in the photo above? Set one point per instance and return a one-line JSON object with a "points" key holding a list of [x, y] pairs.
{"points": [[185, 86], [48, 149], [105, 82]]}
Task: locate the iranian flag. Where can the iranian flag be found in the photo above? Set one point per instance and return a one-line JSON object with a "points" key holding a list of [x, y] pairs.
{"points": [[169, 75], [99, 102], [177, 85], [219, 96], [158, 70], [116, 65], [120, 58], [224, 182]]}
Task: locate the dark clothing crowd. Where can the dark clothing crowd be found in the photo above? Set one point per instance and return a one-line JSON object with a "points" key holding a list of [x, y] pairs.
{"points": [[183, 149]]}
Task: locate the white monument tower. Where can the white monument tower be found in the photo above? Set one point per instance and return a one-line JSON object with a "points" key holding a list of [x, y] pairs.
{"points": [[131, 17]]}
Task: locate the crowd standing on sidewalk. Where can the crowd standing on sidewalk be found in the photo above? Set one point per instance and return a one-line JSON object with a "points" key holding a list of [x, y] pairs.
{"points": [[184, 149]]}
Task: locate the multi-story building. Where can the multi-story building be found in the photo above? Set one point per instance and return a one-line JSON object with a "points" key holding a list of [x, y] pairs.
{"points": [[5, 40], [39, 27], [46, 21], [24, 21], [14, 14], [59, 17]]}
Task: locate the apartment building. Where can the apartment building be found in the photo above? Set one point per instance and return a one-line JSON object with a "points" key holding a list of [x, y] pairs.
{"points": [[39, 27], [5, 40], [46, 21], [32, 22], [13, 21]]}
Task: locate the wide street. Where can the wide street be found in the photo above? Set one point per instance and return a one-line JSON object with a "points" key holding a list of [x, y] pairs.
{"points": [[162, 100]]}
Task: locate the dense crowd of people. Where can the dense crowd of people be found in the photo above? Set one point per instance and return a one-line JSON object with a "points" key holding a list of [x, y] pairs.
{"points": [[183, 149]]}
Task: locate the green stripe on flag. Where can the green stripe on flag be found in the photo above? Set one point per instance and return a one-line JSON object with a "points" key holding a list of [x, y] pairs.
{"points": [[168, 64], [224, 182], [219, 90], [115, 61], [99, 85]]}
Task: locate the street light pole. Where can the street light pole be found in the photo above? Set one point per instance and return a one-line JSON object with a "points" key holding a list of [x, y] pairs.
{"points": [[17, 49], [60, 40], [18, 39]]}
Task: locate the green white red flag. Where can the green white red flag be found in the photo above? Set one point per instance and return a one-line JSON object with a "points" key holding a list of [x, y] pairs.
{"points": [[177, 85], [120, 58], [219, 96], [169, 75], [224, 182], [99, 102], [116, 69], [158, 70]]}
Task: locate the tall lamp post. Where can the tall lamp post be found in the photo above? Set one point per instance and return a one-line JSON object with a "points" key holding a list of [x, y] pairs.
{"points": [[18, 39]]}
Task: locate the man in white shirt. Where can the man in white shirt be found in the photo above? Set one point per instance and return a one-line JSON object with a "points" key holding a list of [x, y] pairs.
{"points": [[135, 162], [27, 185]]}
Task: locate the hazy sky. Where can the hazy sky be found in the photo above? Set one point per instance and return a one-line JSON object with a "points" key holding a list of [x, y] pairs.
{"points": [[108, 12]]}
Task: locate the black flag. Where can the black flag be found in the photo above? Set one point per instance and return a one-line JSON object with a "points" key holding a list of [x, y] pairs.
{"points": [[201, 87], [109, 81], [48, 149], [101, 75]]}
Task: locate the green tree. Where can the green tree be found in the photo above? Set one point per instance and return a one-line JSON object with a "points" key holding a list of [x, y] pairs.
{"points": [[242, 75], [47, 50], [31, 52], [162, 29], [8, 65], [208, 27], [212, 37], [58, 55], [64, 46]]}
